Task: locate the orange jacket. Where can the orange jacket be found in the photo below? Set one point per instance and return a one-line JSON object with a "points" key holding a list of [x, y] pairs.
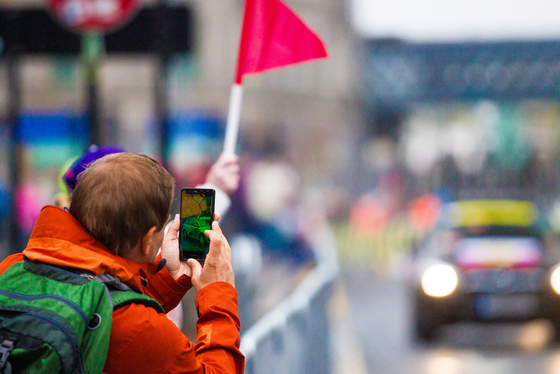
{"points": [[143, 341]]}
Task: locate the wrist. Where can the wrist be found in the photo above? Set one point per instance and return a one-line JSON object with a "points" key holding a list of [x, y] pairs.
{"points": [[175, 273]]}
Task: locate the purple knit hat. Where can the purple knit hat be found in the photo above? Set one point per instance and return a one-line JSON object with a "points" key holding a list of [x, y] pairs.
{"points": [[93, 153]]}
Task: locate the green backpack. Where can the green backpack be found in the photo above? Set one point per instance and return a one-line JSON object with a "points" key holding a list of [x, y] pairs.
{"points": [[56, 320]]}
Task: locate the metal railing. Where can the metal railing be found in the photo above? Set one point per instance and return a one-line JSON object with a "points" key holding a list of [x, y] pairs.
{"points": [[294, 337]]}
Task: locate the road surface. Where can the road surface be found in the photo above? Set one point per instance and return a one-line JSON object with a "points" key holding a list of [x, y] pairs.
{"points": [[373, 335]]}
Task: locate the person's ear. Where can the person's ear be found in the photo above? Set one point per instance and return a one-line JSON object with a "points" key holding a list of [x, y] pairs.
{"points": [[147, 241]]}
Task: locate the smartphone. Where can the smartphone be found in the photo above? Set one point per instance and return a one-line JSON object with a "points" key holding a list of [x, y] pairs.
{"points": [[197, 213]]}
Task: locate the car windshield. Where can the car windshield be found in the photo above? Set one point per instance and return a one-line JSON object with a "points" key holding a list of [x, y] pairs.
{"points": [[442, 243], [508, 231]]}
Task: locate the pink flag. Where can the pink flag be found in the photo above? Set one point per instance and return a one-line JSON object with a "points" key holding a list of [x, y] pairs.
{"points": [[274, 36]]}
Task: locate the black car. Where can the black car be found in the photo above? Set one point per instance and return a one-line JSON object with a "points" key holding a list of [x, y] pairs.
{"points": [[486, 261]]}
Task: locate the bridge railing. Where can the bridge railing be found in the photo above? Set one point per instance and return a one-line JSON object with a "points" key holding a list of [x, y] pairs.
{"points": [[294, 337]]}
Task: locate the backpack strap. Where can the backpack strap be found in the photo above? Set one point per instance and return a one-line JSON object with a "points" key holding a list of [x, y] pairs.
{"points": [[124, 298], [122, 295]]}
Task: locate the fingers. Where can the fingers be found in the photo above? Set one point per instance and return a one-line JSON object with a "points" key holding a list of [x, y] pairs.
{"points": [[188, 271], [215, 227], [225, 173], [218, 242], [173, 228], [232, 168], [195, 269], [170, 249], [215, 232], [216, 237], [227, 159], [176, 224], [217, 266], [217, 216]]}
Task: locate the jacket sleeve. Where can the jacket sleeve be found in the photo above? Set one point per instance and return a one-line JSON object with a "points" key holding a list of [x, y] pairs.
{"points": [[217, 329], [143, 341], [166, 290]]}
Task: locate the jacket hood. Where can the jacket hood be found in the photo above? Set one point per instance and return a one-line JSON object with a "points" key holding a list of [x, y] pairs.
{"points": [[59, 239]]}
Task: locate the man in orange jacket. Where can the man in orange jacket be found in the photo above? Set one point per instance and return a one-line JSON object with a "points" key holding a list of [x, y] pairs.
{"points": [[116, 225]]}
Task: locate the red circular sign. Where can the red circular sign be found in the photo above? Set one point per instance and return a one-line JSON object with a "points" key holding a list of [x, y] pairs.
{"points": [[93, 15]]}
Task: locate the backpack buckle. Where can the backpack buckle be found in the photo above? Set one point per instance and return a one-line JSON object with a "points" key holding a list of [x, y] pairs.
{"points": [[5, 349], [111, 280]]}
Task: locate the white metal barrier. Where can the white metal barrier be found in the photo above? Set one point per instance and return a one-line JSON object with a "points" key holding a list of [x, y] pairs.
{"points": [[294, 337]]}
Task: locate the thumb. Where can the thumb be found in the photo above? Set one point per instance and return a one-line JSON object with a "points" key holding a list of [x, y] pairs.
{"points": [[196, 268]]}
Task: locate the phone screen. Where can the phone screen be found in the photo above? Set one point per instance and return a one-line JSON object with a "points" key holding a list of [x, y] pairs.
{"points": [[197, 211]]}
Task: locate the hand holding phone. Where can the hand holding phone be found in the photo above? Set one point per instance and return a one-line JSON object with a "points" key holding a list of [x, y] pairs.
{"points": [[170, 251], [217, 267], [197, 212]]}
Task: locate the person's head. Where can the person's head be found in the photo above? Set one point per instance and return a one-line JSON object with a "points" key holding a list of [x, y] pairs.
{"points": [[124, 200]]}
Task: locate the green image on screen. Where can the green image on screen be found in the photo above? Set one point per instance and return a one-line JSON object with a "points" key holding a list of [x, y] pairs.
{"points": [[196, 217]]}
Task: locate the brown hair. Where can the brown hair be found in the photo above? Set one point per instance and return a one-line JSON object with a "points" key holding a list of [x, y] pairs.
{"points": [[120, 197]]}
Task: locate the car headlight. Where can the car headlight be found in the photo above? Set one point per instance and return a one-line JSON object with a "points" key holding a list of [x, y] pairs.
{"points": [[555, 279], [440, 280]]}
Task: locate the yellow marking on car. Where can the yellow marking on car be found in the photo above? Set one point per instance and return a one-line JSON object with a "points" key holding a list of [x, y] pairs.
{"points": [[471, 213]]}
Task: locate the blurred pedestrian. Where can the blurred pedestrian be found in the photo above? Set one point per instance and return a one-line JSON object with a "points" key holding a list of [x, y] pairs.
{"points": [[275, 211]]}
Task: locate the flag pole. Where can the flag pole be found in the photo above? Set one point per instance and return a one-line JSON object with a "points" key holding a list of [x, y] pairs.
{"points": [[234, 115], [272, 36]]}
